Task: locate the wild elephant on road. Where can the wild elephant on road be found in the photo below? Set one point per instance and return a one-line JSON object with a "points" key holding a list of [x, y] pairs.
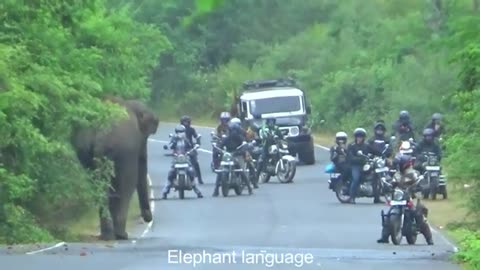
{"points": [[126, 145]]}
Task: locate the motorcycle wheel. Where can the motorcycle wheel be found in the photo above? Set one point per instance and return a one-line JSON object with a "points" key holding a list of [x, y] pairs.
{"points": [[288, 174], [181, 183], [434, 188], [225, 184], [395, 224], [410, 232], [339, 192]]}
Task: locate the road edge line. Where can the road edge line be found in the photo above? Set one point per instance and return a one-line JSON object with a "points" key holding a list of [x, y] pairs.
{"points": [[46, 249]]}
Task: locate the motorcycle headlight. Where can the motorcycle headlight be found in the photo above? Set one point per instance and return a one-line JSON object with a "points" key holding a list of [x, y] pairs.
{"points": [[181, 159], [398, 195], [227, 156], [366, 167]]}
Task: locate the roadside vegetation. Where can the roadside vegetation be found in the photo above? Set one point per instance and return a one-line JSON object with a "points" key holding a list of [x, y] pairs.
{"points": [[359, 61]]}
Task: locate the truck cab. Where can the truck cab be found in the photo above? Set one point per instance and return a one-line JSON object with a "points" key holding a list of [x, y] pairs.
{"points": [[284, 101]]}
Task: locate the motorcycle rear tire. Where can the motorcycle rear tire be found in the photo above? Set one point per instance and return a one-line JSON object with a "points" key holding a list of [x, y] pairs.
{"points": [[181, 192], [338, 192]]}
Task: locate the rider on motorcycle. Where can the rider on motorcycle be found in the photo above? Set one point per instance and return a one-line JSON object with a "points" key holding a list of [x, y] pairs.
{"points": [[357, 161], [235, 138], [338, 152], [180, 134], [267, 133], [436, 125], [222, 129], [191, 133], [406, 176], [403, 127], [428, 144], [377, 145]]}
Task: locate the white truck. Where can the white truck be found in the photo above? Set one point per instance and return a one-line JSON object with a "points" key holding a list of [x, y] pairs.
{"points": [[285, 102]]}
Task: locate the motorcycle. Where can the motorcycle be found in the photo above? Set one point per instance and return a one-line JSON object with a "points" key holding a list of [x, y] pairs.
{"points": [[375, 169], [181, 164], [230, 171], [279, 163], [435, 182], [401, 217]]}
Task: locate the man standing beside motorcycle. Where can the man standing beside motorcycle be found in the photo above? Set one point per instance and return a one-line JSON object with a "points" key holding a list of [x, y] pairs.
{"points": [[191, 133], [377, 147], [428, 144], [267, 134], [356, 160], [222, 129], [407, 176], [180, 134], [235, 138], [338, 153]]}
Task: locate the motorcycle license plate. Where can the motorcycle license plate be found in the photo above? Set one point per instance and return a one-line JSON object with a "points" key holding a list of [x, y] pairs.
{"points": [[398, 203], [334, 175], [181, 166], [432, 168], [434, 173], [226, 163], [384, 169]]}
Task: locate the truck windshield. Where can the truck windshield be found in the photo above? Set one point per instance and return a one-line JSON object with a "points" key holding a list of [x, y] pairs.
{"points": [[275, 105]]}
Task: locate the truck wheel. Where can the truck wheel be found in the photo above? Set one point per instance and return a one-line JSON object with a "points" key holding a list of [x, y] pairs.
{"points": [[307, 157]]}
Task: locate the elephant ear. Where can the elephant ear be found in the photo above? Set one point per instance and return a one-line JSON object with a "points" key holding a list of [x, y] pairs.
{"points": [[148, 122]]}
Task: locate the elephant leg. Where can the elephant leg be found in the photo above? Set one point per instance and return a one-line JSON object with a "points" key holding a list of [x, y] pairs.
{"points": [[126, 172], [106, 224], [142, 184]]}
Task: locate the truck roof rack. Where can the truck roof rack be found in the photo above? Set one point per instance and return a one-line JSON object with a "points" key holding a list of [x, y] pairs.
{"points": [[260, 84]]}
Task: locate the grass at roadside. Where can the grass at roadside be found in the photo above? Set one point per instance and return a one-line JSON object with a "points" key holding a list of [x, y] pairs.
{"points": [[87, 228]]}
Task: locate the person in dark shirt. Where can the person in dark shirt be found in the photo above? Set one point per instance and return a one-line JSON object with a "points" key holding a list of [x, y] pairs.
{"points": [[338, 153], [191, 134], [356, 161]]}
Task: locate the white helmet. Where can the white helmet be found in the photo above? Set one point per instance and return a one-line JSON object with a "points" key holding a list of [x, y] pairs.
{"points": [[341, 135], [235, 120]]}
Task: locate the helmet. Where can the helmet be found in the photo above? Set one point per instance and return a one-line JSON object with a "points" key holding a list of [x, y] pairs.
{"points": [[225, 116], [236, 121], [341, 136], [360, 132], [403, 162], [428, 134], [404, 115], [380, 125], [437, 116], [180, 129], [185, 120]]}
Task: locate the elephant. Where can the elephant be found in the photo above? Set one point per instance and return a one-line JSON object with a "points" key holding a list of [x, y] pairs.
{"points": [[126, 145]]}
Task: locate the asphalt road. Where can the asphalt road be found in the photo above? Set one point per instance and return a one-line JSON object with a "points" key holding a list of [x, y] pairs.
{"points": [[297, 226]]}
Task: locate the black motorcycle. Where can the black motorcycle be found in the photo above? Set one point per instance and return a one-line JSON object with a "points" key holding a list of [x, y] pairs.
{"points": [[434, 182], [231, 171], [401, 219], [279, 163], [375, 169]]}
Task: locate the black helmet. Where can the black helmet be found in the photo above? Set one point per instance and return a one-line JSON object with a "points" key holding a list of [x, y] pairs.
{"points": [[404, 115], [180, 129], [428, 134], [185, 119], [380, 125], [360, 132], [437, 116]]}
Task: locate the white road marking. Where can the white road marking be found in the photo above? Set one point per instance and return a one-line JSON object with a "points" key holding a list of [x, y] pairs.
{"points": [[46, 249], [152, 209]]}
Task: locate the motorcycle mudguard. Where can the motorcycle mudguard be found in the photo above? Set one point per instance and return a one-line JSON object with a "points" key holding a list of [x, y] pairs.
{"points": [[330, 168], [333, 182], [394, 210], [288, 158]]}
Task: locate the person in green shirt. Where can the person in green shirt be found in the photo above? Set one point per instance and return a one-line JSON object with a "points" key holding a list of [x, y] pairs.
{"points": [[267, 134]]}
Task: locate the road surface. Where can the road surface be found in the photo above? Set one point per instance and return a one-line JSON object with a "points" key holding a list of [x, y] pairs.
{"points": [[281, 226]]}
